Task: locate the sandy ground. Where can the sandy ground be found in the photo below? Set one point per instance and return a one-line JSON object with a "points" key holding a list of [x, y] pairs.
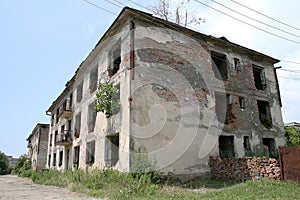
{"points": [[13, 187]]}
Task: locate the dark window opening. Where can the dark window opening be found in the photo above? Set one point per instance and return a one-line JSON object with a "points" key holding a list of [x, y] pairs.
{"points": [[112, 150], [93, 79], [56, 136], [49, 160], [79, 92], [57, 114], [247, 143], [223, 108], [54, 159], [67, 158], [115, 55], [76, 157], [51, 137], [264, 113], [52, 119], [270, 143], [242, 102], [90, 153], [77, 125], [61, 154], [237, 64], [92, 115], [226, 146], [219, 65], [259, 77]]}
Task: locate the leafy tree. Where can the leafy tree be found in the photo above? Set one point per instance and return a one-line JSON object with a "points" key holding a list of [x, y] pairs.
{"points": [[4, 166], [20, 163], [292, 136], [107, 100]]}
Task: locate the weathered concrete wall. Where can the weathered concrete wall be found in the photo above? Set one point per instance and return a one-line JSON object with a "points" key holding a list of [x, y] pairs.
{"points": [[118, 123], [173, 115]]}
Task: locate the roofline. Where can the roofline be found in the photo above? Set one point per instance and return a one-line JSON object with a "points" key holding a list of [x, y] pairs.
{"points": [[142, 15], [38, 125]]}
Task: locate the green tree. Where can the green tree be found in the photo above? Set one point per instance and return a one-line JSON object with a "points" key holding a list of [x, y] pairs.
{"points": [[20, 163], [292, 136], [4, 166]]}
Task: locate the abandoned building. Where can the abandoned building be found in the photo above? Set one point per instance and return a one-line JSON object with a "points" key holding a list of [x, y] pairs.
{"points": [[37, 146], [183, 96]]}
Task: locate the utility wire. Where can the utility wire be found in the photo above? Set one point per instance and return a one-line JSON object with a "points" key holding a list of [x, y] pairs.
{"points": [[140, 5], [103, 9], [293, 62], [120, 3], [266, 15], [274, 27], [113, 3], [284, 38]]}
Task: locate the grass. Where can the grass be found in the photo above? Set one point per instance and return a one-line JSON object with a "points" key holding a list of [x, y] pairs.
{"points": [[117, 185]]}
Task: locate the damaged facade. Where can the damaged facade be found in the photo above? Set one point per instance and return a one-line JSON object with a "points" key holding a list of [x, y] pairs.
{"points": [[184, 96], [37, 146]]}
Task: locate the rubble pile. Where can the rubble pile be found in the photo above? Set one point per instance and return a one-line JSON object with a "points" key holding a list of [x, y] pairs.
{"points": [[244, 168]]}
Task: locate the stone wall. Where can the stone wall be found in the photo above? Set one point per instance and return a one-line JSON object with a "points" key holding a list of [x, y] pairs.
{"points": [[246, 168]]}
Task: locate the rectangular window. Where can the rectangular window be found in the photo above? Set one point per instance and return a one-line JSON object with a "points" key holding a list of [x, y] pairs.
{"points": [[264, 113], [54, 159], [219, 65], [92, 114], [246, 143], [52, 119], [77, 125], [90, 153], [259, 77], [51, 137], [237, 64], [226, 146], [76, 157], [115, 58], [61, 153], [112, 150], [223, 107], [93, 79], [56, 136], [49, 160], [270, 143], [242, 102], [57, 115], [79, 92]]}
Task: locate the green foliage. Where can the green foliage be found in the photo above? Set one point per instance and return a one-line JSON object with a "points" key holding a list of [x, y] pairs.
{"points": [[107, 100], [4, 166], [292, 136], [140, 163], [22, 165]]}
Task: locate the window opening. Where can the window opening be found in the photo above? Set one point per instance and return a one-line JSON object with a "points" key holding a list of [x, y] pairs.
{"points": [[219, 65], [226, 146]]}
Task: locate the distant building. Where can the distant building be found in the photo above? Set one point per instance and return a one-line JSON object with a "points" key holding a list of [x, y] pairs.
{"points": [[37, 146], [12, 161], [295, 124]]}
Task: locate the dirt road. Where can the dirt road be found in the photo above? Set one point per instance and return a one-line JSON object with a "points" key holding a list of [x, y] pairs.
{"points": [[13, 187]]}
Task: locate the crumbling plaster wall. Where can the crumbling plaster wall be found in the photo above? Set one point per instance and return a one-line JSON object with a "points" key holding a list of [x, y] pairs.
{"points": [[173, 115]]}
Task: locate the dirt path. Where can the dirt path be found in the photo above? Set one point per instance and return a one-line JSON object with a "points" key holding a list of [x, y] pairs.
{"points": [[13, 187]]}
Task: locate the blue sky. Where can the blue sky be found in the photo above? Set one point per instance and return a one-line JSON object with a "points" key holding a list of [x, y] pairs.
{"points": [[44, 42]]}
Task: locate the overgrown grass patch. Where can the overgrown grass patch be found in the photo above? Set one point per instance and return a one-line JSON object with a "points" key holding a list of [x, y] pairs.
{"points": [[118, 185]]}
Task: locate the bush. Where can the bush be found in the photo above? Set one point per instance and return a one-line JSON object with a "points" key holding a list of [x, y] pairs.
{"points": [[292, 136], [4, 166]]}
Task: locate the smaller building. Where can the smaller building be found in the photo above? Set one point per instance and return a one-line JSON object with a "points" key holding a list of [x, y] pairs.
{"points": [[295, 124], [37, 146], [12, 161]]}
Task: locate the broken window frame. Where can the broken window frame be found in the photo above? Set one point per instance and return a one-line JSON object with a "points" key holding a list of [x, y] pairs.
{"points": [[61, 155], [115, 58], [90, 152], [92, 116], [264, 113], [271, 144], [237, 64], [219, 65], [79, 92], [259, 77], [112, 149], [242, 102], [93, 79], [223, 107], [226, 146]]}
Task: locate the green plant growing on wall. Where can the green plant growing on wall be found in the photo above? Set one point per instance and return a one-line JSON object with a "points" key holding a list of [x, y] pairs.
{"points": [[107, 99]]}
